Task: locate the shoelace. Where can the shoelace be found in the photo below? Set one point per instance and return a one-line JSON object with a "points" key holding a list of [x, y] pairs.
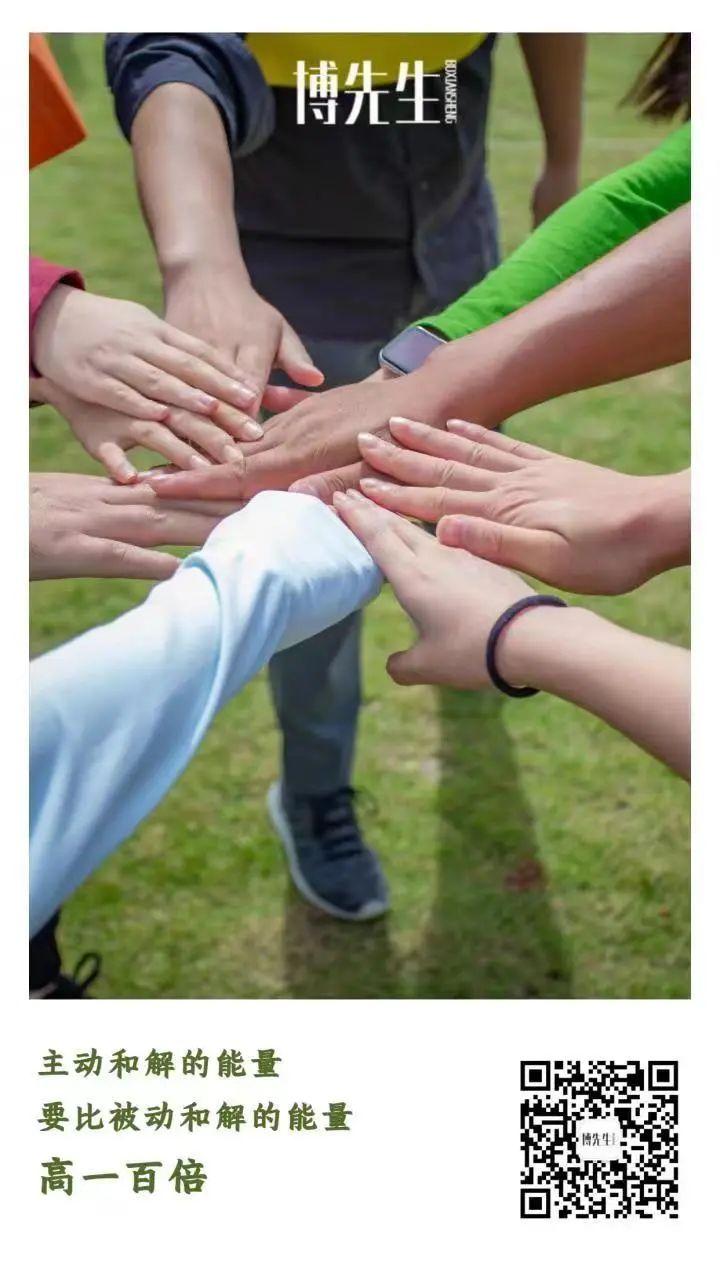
{"points": [[335, 821], [93, 959]]}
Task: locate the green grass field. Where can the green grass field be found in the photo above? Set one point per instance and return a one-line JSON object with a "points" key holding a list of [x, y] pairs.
{"points": [[531, 851]]}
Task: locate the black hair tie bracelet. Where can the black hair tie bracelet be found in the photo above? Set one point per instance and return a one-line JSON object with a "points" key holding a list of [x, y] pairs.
{"points": [[529, 602]]}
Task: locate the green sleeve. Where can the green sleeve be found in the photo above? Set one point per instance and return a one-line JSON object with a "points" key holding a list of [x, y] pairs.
{"points": [[584, 229]]}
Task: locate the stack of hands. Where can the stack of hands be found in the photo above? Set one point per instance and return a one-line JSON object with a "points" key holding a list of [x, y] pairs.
{"points": [[123, 378], [502, 507]]}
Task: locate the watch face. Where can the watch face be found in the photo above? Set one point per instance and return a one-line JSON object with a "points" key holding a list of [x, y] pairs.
{"points": [[409, 349]]}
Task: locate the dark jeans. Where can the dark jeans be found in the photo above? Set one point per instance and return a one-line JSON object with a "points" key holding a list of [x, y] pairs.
{"points": [[316, 685]]}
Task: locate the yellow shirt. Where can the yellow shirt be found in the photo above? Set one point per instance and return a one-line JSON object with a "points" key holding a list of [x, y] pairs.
{"points": [[278, 52]]}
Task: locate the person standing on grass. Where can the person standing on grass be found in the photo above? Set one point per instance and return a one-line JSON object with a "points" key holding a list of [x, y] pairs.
{"points": [[302, 244], [482, 371]]}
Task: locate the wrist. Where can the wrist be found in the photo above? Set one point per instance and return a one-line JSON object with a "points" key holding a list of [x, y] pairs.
{"points": [[543, 647], [43, 391], [38, 392], [181, 268], [467, 378], [665, 522], [565, 158], [47, 320]]}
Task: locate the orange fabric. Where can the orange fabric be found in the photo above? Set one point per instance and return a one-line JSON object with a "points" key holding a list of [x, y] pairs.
{"points": [[55, 122]]}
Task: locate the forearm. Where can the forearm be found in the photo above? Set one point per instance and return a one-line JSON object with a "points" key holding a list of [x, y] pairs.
{"points": [[118, 713], [556, 64], [666, 527], [185, 179], [625, 315], [585, 229], [639, 686], [45, 278]]}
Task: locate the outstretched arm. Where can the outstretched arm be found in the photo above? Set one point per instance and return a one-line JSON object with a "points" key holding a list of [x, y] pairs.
{"points": [[639, 686], [597, 220], [189, 103], [117, 714], [626, 314]]}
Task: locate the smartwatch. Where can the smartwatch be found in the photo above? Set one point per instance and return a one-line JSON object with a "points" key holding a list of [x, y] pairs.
{"points": [[409, 349]]}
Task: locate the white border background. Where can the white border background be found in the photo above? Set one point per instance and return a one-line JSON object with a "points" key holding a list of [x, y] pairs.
{"points": [[427, 1182]]}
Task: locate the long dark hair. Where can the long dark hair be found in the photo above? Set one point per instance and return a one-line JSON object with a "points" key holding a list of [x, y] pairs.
{"points": [[662, 89]]}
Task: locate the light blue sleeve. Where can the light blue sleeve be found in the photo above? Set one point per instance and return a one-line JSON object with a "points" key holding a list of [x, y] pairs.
{"points": [[117, 714]]}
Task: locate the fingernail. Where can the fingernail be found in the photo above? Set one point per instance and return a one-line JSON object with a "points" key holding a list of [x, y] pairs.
{"points": [[127, 471], [459, 424], [252, 430], [369, 441], [231, 453], [197, 461], [339, 499], [205, 402], [453, 525], [375, 486], [244, 394], [403, 422], [354, 495]]}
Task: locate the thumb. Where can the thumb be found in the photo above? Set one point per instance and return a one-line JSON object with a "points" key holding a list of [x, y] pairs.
{"points": [[225, 481], [295, 361], [116, 463], [407, 667], [113, 559], [326, 483], [529, 550], [280, 399]]}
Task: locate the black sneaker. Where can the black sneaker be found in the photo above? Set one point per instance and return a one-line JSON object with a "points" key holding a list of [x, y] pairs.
{"points": [[329, 862], [75, 986], [71, 987], [47, 982]]}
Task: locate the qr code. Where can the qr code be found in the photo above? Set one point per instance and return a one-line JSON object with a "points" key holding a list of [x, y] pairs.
{"points": [[599, 1139]]}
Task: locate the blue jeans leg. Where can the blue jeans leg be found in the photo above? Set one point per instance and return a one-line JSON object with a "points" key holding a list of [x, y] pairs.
{"points": [[316, 685], [316, 690]]}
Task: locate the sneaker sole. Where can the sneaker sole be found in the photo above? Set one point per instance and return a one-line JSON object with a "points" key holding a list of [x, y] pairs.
{"points": [[370, 911]]}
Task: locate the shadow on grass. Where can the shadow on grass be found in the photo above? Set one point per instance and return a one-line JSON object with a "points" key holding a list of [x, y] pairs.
{"points": [[492, 932], [329, 959]]}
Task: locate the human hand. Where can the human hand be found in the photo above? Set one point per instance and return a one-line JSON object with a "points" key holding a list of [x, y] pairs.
{"points": [[569, 523], [318, 433], [87, 527], [220, 306], [118, 354], [557, 183], [187, 440], [452, 597]]}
